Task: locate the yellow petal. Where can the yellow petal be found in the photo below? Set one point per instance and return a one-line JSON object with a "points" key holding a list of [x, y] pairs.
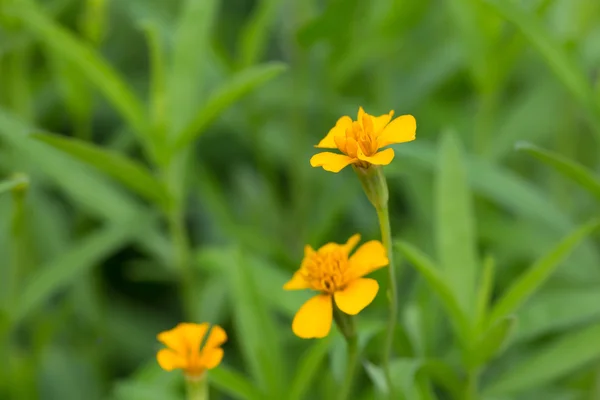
{"points": [[400, 130], [296, 283], [369, 257], [381, 158], [170, 360], [359, 116], [339, 129], [216, 337], [313, 319], [211, 357], [184, 337], [351, 243], [331, 162], [380, 122], [357, 295], [308, 251]]}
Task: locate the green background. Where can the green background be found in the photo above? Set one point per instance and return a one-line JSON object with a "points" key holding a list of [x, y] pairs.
{"points": [[162, 156]]}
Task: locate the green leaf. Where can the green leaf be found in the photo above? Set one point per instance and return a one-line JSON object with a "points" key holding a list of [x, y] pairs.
{"points": [[255, 34], [533, 278], [239, 85], [260, 342], [549, 363], [492, 343], [191, 47], [15, 182], [307, 369], [455, 223], [87, 59], [568, 168], [128, 172], [438, 283], [565, 68], [81, 257], [234, 384], [485, 290]]}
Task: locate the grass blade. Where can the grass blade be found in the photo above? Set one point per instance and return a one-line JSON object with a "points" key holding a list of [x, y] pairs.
{"points": [[307, 369], [255, 35], [438, 283], [60, 272], [191, 46], [119, 167], [556, 57], [455, 223], [549, 363], [239, 85], [234, 384], [97, 70], [531, 280], [568, 168], [492, 342], [13, 183]]}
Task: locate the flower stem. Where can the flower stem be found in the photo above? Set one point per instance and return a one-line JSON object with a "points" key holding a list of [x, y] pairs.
{"points": [[196, 389], [346, 325], [470, 391], [386, 236]]}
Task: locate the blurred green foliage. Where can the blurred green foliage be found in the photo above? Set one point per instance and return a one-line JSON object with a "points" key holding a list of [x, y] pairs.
{"points": [[154, 169]]}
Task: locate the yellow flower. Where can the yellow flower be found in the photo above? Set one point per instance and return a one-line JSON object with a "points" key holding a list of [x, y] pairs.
{"points": [[361, 140], [332, 272], [186, 350]]}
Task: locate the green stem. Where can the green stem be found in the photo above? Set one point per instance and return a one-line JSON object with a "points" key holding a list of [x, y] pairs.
{"points": [[471, 390], [197, 389], [346, 325], [181, 260], [386, 236]]}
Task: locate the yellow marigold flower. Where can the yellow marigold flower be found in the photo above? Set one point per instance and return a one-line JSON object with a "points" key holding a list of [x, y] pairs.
{"points": [[361, 140], [331, 271], [186, 349]]}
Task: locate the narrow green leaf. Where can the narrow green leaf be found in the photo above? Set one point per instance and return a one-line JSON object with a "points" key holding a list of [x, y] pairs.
{"points": [[484, 293], [239, 85], [455, 223], [571, 74], [531, 279], [85, 57], [260, 342], [492, 343], [438, 283], [14, 183], [549, 363], [255, 34], [60, 272], [307, 369], [234, 384], [568, 168], [191, 47], [128, 172]]}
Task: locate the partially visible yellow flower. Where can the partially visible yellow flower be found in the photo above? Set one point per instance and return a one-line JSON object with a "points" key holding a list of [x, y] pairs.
{"points": [[188, 350], [361, 140], [337, 275]]}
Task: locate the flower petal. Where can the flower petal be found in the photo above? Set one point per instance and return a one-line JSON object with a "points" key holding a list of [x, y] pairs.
{"points": [[400, 130], [380, 122], [313, 319], [170, 360], [296, 283], [369, 257], [359, 116], [184, 337], [351, 243], [381, 158], [357, 295], [331, 162], [328, 142], [216, 337], [211, 357]]}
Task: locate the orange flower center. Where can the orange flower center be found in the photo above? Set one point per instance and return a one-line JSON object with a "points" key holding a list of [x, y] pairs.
{"points": [[359, 136], [327, 271]]}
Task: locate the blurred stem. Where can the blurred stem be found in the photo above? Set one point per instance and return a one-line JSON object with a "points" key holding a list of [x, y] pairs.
{"points": [[484, 122], [197, 389], [20, 252], [386, 236], [471, 385], [346, 325]]}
